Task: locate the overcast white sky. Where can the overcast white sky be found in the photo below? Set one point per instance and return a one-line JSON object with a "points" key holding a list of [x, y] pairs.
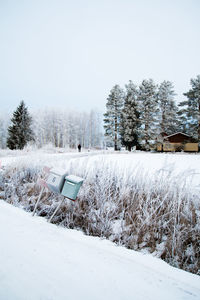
{"points": [[60, 53]]}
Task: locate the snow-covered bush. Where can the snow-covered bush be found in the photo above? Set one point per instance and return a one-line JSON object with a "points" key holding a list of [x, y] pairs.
{"points": [[156, 214]]}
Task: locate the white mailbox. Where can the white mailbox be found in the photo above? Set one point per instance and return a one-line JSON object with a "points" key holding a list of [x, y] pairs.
{"points": [[55, 180]]}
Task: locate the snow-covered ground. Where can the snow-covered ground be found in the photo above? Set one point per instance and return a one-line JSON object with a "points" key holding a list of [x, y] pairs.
{"points": [[39, 260], [183, 165]]}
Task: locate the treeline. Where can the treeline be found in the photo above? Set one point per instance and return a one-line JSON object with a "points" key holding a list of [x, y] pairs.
{"points": [[140, 115], [68, 129], [135, 116], [60, 128]]}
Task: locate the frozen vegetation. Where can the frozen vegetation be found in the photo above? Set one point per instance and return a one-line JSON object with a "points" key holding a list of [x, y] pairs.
{"points": [[145, 201]]}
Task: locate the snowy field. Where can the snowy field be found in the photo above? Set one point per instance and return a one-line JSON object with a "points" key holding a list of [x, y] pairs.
{"points": [[39, 260], [182, 165]]}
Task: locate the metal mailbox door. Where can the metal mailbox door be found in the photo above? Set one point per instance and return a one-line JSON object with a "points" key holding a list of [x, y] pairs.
{"points": [[71, 186]]}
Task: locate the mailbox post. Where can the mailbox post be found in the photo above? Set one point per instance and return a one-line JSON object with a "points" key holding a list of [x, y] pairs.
{"points": [[66, 185], [70, 188]]}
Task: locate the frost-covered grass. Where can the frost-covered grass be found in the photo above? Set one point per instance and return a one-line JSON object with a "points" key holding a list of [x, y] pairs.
{"points": [[147, 202]]}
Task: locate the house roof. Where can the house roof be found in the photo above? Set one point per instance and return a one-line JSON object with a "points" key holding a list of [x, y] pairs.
{"points": [[177, 134]]}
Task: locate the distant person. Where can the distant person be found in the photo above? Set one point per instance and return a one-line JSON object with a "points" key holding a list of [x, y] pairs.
{"points": [[79, 147]]}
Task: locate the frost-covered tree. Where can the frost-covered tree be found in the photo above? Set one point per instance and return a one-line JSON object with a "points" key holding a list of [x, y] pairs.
{"points": [[149, 112], [182, 120], [191, 109], [167, 108], [20, 131], [130, 117], [95, 129], [67, 128], [112, 116], [4, 123]]}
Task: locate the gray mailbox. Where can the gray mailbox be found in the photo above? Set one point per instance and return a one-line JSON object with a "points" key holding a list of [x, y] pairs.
{"points": [[56, 180], [71, 186]]}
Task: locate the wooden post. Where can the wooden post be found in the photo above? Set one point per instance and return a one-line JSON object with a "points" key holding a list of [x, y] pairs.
{"points": [[57, 208], [38, 200]]}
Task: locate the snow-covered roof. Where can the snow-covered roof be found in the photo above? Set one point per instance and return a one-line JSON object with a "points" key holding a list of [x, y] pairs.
{"points": [[176, 134]]}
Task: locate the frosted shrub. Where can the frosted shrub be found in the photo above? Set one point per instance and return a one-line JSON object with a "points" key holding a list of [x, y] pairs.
{"points": [[158, 214]]}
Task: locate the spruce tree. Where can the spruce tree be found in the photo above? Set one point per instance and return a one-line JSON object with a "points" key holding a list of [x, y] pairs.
{"points": [[20, 132], [113, 114], [167, 108], [191, 109], [183, 125], [130, 117], [149, 112]]}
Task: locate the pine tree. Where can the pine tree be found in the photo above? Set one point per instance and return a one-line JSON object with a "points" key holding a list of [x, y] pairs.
{"points": [[149, 112], [130, 117], [20, 132], [182, 120], [167, 107], [191, 109], [112, 116]]}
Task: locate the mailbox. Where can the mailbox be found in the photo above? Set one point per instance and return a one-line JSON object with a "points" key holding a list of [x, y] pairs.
{"points": [[63, 184], [71, 186], [56, 180]]}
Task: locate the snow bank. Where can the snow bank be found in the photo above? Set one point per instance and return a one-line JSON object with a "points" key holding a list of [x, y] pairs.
{"points": [[39, 260]]}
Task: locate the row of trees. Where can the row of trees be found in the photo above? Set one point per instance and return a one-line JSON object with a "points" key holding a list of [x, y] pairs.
{"points": [[138, 116], [68, 129], [60, 128]]}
